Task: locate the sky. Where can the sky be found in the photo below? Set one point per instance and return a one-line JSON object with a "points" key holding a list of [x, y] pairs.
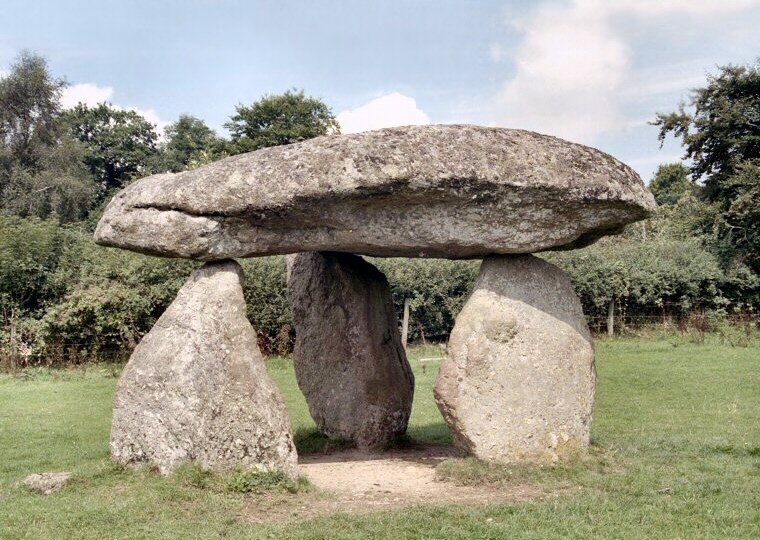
{"points": [[591, 71]]}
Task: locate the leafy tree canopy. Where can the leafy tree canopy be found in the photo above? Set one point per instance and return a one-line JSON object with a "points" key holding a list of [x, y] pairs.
{"points": [[721, 136], [41, 168], [670, 183], [29, 109], [279, 119], [190, 143], [120, 143]]}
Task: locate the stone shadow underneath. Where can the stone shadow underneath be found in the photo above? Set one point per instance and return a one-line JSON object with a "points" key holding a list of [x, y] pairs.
{"points": [[433, 438]]}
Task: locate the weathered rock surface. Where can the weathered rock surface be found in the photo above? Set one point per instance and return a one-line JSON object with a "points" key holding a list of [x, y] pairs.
{"points": [[518, 383], [47, 482], [418, 191], [196, 388], [348, 357]]}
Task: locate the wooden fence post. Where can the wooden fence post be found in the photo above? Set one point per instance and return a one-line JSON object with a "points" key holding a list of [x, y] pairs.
{"points": [[611, 318], [405, 324]]}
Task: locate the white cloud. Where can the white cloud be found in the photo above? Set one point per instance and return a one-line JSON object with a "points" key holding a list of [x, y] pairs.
{"points": [[573, 65], [88, 93], [652, 8], [91, 94], [152, 116], [570, 67], [386, 111]]}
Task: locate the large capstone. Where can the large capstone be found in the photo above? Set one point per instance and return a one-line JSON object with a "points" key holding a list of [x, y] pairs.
{"points": [[418, 191], [518, 383], [196, 388], [348, 357]]}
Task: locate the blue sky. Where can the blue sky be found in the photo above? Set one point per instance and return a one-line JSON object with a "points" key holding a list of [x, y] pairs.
{"points": [[592, 71]]}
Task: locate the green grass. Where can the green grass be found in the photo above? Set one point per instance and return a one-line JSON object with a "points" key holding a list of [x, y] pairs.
{"points": [[676, 455]]}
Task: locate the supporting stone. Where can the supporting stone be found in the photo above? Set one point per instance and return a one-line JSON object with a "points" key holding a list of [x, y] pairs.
{"points": [[196, 388], [348, 357], [518, 383]]}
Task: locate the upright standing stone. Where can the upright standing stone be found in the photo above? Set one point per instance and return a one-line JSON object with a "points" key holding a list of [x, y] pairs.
{"points": [[518, 383], [196, 388], [348, 356]]}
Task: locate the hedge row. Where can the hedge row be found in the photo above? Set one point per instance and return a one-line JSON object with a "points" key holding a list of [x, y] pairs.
{"points": [[65, 299]]}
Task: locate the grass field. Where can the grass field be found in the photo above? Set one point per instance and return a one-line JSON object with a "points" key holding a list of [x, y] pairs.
{"points": [[676, 454]]}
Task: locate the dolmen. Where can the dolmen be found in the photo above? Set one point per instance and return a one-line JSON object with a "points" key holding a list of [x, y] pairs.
{"points": [[518, 383]]}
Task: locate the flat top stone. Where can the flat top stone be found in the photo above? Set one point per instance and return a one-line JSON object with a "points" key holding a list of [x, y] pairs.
{"points": [[453, 191]]}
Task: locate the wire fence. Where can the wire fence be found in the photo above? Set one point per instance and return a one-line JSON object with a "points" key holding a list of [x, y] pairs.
{"points": [[15, 353], [699, 320]]}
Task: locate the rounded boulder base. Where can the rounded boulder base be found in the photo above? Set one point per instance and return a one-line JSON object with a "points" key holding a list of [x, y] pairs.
{"points": [[348, 356], [196, 388], [518, 383]]}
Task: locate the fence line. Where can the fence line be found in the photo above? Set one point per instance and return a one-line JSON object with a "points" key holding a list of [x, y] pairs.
{"points": [[16, 352]]}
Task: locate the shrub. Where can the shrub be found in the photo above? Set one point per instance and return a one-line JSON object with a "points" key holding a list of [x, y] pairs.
{"points": [[29, 253], [65, 299], [436, 288], [266, 297], [660, 276], [110, 299], [263, 481]]}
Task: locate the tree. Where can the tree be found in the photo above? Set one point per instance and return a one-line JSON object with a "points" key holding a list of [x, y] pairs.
{"points": [[120, 143], [721, 137], [190, 142], [60, 185], [29, 110], [670, 183], [41, 168], [279, 119]]}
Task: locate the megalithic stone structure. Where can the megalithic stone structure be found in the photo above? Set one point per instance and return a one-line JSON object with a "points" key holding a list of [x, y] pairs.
{"points": [[518, 382], [417, 191], [348, 357], [196, 388]]}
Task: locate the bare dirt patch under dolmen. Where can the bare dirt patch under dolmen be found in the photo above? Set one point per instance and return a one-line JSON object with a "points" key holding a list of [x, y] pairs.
{"points": [[358, 482]]}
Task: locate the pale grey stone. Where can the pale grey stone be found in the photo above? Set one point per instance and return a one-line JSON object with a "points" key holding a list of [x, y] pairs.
{"points": [[419, 191], [196, 388], [518, 383], [47, 482], [348, 357]]}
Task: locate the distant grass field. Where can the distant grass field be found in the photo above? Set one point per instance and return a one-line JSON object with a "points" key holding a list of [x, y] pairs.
{"points": [[676, 454]]}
